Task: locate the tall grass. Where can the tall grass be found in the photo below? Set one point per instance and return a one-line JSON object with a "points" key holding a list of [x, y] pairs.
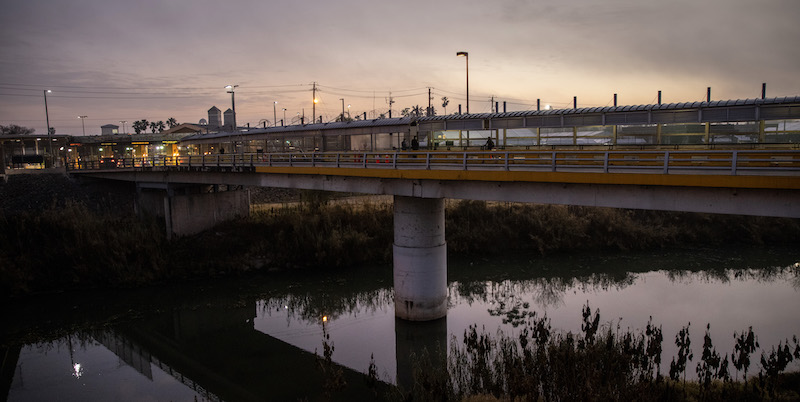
{"points": [[599, 363], [493, 228], [70, 246]]}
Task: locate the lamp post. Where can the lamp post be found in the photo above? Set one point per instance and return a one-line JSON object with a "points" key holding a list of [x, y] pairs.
{"points": [[348, 111], [342, 99], [284, 117], [231, 89], [275, 113], [466, 55], [47, 116], [83, 124]]}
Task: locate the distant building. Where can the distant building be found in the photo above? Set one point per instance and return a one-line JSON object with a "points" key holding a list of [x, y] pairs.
{"points": [[229, 119], [109, 129], [214, 117], [184, 128]]}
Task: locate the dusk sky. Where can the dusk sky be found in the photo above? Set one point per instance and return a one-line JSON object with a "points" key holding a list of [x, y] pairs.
{"points": [[114, 60]]}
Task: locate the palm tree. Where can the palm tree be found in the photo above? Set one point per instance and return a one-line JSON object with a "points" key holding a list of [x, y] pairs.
{"points": [[157, 126], [445, 102], [171, 122], [139, 126]]}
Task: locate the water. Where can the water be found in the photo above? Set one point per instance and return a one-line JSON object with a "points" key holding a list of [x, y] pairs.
{"points": [[256, 339]]}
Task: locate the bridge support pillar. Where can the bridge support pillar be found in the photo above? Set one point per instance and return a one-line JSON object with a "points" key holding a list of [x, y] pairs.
{"points": [[420, 259]]}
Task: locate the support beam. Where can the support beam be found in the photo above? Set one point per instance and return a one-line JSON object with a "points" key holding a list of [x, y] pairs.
{"points": [[420, 259]]}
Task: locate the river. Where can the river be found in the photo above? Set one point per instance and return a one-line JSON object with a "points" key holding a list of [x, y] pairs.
{"points": [[256, 338]]}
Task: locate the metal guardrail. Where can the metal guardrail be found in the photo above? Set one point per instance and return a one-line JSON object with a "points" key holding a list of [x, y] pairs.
{"points": [[730, 162]]}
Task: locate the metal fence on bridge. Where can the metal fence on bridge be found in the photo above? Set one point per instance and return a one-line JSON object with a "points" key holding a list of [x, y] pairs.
{"points": [[732, 162]]}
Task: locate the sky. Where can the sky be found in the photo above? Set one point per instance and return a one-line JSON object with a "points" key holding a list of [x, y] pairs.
{"points": [[122, 60]]}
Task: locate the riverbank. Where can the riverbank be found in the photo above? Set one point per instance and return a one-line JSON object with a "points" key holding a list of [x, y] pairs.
{"points": [[82, 238]]}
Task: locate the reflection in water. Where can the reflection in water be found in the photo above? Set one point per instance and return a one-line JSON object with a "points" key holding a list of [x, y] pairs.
{"points": [[266, 342]]}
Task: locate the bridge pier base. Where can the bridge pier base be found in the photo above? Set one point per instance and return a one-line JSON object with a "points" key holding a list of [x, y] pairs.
{"points": [[420, 259]]}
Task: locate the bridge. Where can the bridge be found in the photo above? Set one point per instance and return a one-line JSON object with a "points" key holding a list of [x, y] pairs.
{"points": [[731, 157], [745, 182]]}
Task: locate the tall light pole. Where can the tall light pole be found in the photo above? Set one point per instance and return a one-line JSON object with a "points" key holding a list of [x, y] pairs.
{"points": [[466, 55], [83, 124], [123, 126], [231, 89], [284, 117], [47, 116], [342, 99], [275, 113]]}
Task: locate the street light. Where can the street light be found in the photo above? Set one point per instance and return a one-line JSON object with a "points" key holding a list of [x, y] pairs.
{"points": [[47, 117], [466, 55], [230, 89], [275, 113], [283, 122], [83, 124]]}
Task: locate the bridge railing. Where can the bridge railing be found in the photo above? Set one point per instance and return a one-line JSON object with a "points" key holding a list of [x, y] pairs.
{"points": [[665, 162]]}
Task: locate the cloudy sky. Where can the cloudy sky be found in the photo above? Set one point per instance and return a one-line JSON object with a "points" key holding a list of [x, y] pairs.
{"points": [[114, 60]]}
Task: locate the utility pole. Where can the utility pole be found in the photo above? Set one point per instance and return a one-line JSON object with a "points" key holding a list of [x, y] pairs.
{"points": [[342, 99], [390, 101], [314, 104], [430, 110], [491, 104]]}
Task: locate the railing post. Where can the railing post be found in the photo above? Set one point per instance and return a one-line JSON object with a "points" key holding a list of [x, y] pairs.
{"points": [[605, 163], [553, 161], [427, 161], [464, 162], [666, 162], [505, 155], [734, 162], [338, 158], [364, 161]]}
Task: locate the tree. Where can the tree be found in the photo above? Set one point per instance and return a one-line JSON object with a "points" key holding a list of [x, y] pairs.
{"points": [[342, 117], [405, 112], [157, 126], [417, 110], [13, 129], [445, 102], [140, 126], [171, 122]]}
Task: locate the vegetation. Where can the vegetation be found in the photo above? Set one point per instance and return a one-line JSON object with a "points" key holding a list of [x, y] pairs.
{"points": [[13, 129], [70, 246], [600, 363]]}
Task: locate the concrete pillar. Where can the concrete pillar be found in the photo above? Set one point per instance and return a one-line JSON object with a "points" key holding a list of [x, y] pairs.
{"points": [[420, 259]]}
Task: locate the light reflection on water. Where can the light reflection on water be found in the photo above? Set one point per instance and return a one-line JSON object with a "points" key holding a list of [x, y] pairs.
{"points": [[731, 292]]}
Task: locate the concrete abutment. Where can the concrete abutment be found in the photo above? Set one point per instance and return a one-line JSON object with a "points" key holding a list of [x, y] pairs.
{"points": [[191, 209]]}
